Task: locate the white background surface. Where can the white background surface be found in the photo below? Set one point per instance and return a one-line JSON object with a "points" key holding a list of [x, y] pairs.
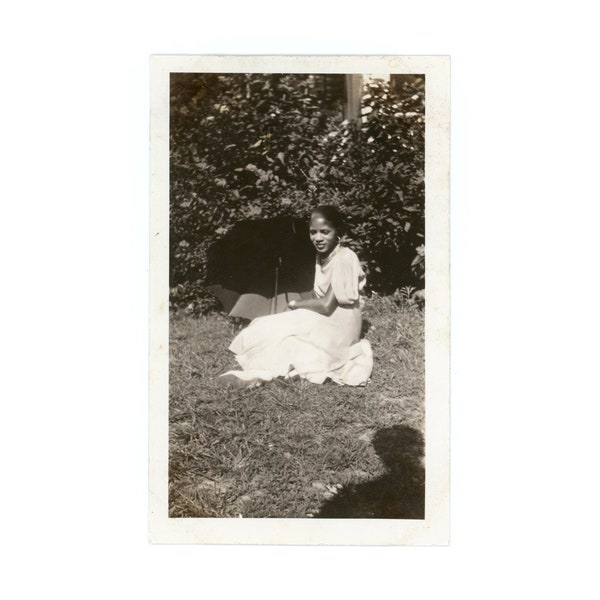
{"points": [[74, 188]]}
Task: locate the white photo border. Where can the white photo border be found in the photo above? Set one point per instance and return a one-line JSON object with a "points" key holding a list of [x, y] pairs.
{"points": [[434, 529]]}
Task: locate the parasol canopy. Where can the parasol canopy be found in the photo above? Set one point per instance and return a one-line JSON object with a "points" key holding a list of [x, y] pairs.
{"points": [[260, 265]]}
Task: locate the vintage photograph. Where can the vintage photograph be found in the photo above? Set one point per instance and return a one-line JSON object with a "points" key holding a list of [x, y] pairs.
{"points": [[297, 295]]}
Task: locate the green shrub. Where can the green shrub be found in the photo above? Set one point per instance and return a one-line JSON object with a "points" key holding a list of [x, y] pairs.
{"points": [[254, 146]]}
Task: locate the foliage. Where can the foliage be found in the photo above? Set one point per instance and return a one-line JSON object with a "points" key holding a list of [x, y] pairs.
{"points": [[291, 448], [253, 146]]}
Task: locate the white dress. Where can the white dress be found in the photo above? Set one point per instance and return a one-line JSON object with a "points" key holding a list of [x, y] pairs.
{"points": [[306, 344]]}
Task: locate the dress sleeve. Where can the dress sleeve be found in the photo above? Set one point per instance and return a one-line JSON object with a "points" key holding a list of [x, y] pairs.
{"points": [[346, 277]]}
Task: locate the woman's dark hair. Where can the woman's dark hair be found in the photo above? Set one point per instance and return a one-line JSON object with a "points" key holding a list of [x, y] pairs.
{"points": [[332, 215]]}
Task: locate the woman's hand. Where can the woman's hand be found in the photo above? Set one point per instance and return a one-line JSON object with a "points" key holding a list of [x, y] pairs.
{"points": [[292, 304]]}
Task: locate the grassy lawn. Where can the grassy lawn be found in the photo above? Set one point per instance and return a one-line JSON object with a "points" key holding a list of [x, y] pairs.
{"points": [[292, 448]]}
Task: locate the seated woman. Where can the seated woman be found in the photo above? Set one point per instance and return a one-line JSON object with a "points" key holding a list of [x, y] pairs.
{"points": [[315, 339]]}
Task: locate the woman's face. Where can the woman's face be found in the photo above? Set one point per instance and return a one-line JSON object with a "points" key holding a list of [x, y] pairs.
{"points": [[323, 235]]}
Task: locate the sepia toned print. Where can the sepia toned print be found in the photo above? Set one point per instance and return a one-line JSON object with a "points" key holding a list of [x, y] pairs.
{"points": [[295, 238]]}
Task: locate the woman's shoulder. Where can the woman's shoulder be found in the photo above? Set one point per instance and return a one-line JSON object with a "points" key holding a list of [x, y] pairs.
{"points": [[346, 261], [347, 277], [346, 255]]}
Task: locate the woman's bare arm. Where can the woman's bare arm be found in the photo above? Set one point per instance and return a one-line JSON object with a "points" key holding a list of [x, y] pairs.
{"points": [[324, 306]]}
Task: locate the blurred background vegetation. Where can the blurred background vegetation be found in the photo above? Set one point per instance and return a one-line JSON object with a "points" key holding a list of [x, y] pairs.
{"points": [[250, 146]]}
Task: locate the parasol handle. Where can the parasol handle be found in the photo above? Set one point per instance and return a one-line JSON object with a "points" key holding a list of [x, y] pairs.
{"points": [[274, 303]]}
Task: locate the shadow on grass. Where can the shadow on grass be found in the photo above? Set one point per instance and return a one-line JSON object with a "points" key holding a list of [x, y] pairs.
{"points": [[365, 326], [398, 494]]}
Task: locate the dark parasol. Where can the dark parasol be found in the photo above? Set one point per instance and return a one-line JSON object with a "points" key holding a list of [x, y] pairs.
{"points": [[260, 265]]}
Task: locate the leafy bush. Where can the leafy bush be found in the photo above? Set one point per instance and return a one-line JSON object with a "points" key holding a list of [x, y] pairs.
{"points": [[248, 146]]}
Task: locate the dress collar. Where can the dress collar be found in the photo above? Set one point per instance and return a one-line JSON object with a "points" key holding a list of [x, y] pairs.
{"points": [[329, 258]]}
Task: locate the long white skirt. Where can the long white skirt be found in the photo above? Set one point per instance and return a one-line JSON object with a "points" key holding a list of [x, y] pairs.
{"points": [[304, 343]]}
